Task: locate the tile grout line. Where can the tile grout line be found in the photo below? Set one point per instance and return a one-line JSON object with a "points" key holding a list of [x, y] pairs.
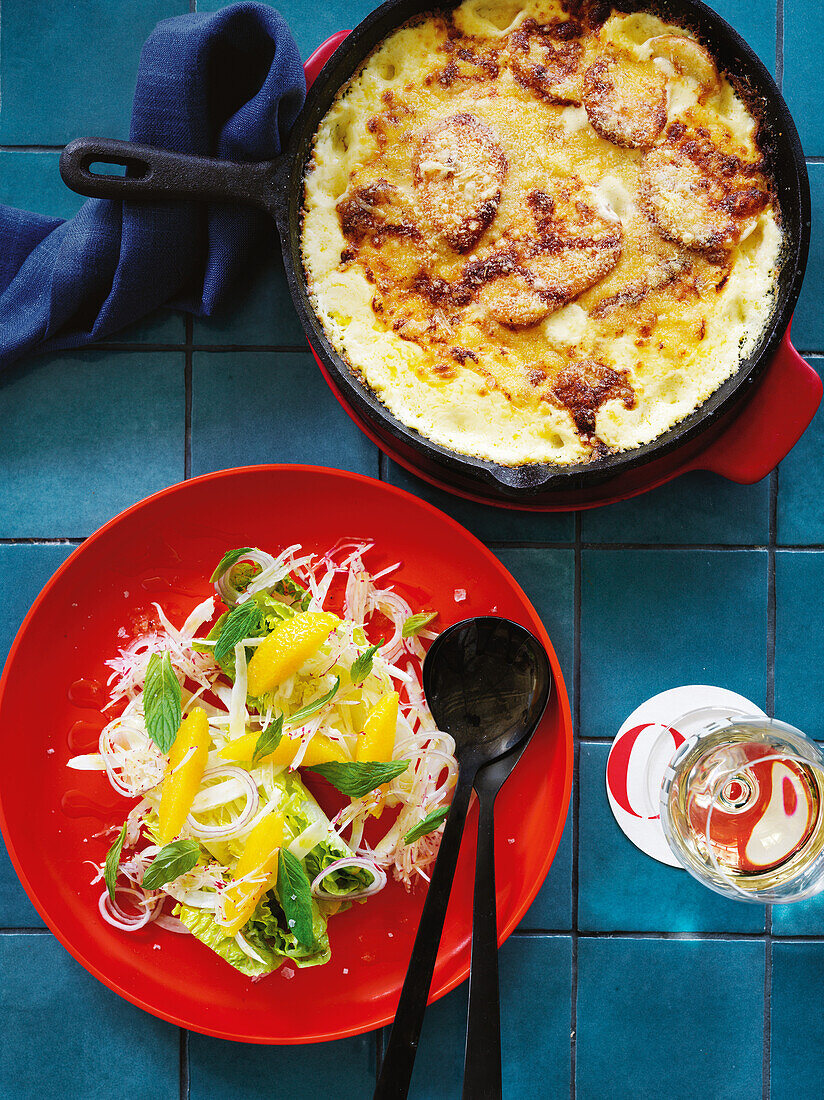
{"points": [[779, 44], [770, 705], [576, 749], [184, 1063]]}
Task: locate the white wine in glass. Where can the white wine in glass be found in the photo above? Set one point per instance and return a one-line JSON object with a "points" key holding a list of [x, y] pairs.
{"points": [[741, 808]]}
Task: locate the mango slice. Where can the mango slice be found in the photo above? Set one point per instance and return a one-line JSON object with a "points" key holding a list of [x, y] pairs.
{"points": [[289, 646], [181, 784]]}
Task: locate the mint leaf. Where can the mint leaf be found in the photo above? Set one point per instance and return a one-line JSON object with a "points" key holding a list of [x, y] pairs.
{"points": [[113, 861], [415, 623], [358, 778], [313, 707], [429, 824], [269, 739], [362, 665], [172, 861], [289, 587], [228, 560], [295, 894], [242, 622], [161, 701]]}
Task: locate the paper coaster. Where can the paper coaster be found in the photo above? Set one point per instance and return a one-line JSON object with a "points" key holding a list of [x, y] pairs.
{"points": [[644, 746]]}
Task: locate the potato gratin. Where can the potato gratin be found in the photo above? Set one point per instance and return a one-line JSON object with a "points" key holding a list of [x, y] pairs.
{"points": [[540, 233]]}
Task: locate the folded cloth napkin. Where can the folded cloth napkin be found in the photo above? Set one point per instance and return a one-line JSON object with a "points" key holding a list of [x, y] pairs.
{"points": [[229, 85]]}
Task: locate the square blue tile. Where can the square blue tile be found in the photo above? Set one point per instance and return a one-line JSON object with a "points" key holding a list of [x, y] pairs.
{"points": [[259, 310], [755, 22], [29, 180], [676, 1019], [66, 1034], [264, 406], [219, 1070], [30, 566], [696, 508], [552, 908], [16, 911], [808, 322], [85, 435], [548, 579], [656, 619], [536, 985], [484, 520], [70, 70], [310, 26], [802, 72], [622, 890], [797, 1032], [800, 517], [802, 918], [27, 567], [799, 643]]}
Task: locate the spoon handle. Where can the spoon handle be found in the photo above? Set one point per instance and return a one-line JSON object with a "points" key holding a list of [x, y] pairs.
{"points": [[399, 1059], [482, 1061]]}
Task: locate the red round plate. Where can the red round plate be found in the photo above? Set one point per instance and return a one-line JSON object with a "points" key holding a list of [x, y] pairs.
{"points": [[164, 549]]}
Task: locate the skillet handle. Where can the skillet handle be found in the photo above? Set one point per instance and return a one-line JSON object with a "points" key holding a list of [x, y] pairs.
{"points": [[316, 61], [770, 425], [162, 174]]}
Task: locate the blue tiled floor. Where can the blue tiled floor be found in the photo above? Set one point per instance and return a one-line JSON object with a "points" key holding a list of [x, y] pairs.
{"points": [[639, 1015], [654, 620], [65, 1034], [797, 1022], [676, 1019]]}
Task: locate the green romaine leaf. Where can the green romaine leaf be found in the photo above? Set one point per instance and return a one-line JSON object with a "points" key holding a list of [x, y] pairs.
{"points": [[113, 861], [228, 560], [172, 861], [295, 894], [269, 739], [161, 701], [313, 707], [202, 924], [362, 664], [358, 778], [429, 824], [415, 623], [242, 622]]}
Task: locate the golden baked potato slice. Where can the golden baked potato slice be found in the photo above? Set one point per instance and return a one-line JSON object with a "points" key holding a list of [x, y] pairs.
{"points": [[546, 58], [697, 194], [458, 171], [626, 101]]}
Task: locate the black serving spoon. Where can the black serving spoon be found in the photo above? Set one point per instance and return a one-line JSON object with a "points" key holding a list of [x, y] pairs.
{"points": [[482, 1061], [486, 681]]}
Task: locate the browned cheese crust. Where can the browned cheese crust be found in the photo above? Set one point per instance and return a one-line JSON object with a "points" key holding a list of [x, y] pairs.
{"points": [[469, 253]]}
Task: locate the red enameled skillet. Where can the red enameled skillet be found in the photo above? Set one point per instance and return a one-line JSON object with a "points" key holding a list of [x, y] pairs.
{"points": [[741, 431]]}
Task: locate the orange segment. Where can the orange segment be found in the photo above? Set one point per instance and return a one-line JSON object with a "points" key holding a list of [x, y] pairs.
{"points": [[258, 865], [181, 784], [289, 646]]}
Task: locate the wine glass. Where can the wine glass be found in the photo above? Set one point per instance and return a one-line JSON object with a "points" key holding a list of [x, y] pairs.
{"points": [[741, 806]]}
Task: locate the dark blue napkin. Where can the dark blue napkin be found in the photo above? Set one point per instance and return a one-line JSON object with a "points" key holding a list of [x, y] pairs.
{"points": [[227, 85]]}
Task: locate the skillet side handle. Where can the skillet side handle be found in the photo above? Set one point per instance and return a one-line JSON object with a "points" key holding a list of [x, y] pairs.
{"points": [[154, 174], [321, 55], [771, 424]]}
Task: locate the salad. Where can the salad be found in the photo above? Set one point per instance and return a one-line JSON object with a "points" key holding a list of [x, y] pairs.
{"points": [[300, 668]]}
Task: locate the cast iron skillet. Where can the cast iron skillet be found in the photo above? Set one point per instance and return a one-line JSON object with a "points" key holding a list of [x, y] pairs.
{"points": [[277, 188]]}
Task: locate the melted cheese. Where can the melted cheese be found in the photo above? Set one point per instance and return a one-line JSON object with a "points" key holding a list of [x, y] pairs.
{"points": [[674, 346]]}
